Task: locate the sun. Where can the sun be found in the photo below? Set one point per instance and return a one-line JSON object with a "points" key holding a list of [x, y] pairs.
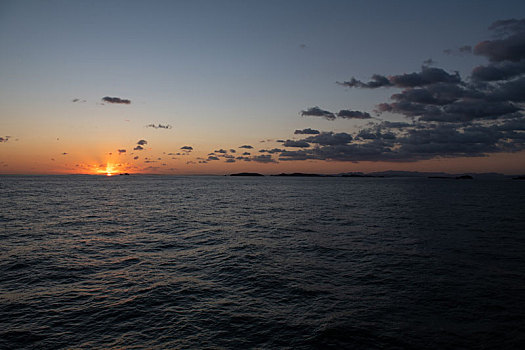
{"points": [[110, 170]]}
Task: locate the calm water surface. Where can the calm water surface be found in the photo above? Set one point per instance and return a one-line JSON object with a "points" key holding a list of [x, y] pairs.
{"points": [[222, 262]]}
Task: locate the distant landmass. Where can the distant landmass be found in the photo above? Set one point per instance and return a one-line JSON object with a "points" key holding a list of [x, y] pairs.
{"points": [[398, 173], [301, 175], [246, 174]]}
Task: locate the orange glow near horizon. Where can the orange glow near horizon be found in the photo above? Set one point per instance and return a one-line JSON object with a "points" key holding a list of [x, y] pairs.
{"points": [[108, 171]]}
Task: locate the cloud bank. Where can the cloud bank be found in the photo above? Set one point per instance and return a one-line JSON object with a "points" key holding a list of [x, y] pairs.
{"points": [[448, 115]]}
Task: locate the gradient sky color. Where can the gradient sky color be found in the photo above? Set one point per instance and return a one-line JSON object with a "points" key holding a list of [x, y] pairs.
{"points": [[217, 75]]}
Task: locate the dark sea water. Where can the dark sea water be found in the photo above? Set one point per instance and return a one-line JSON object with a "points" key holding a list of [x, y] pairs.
{"points": [[238, 262]]}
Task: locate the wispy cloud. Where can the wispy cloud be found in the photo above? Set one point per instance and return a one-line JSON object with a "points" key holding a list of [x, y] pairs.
{"points": [[317, 112], [159, 126]]}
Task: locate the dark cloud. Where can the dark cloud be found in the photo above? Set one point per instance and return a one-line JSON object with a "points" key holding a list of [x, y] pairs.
{"points": [[375, 134], [142, 142], [212, 158], [246, 153], [78, 100], [306, 131], [509, 48], [223, 151], [246, 146], [138, 148], [448, 116], [136, 157], [272, 151], [263, 158], [120, 151], [232, 150], [65, 153], [296, 143], [317, 112], [116, 100], [329, 138], [372, 151], [159, 126], [427, 76], [376, 82], [4, 139], [187, 148], [395, 125], [498, 71], [348, 114], [230, 160]]}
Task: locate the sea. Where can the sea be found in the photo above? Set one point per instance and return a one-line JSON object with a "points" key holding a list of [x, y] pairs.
{"points": [[219, 262]]}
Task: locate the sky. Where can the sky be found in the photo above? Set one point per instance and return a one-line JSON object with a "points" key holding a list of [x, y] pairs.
{"points": [[218, 87]]}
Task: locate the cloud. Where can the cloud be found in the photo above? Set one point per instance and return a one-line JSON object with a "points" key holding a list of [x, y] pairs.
{"points": [[223, 151], [159, 126], [448, 116], [230, 160], [317, 112], [330, 138], [376, 82], [263, 158], [120, 151], [427, 76], [142, 142], [273, 150], [138, 148], [78, 100], [232, 150], [498, 71], [348, 114], [136, 157], [212, 158], [116, 100], [296, 143], [306, 131], [187, 148], [246, 146], [509, 48], [4, 139], [246, 153]]}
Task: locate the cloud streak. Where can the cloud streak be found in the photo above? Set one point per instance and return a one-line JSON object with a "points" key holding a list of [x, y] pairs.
{"points": [[159, 126], [116, 100]]}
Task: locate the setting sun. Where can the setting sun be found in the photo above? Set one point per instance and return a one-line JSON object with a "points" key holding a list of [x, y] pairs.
{"points": [[108, 171]]}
